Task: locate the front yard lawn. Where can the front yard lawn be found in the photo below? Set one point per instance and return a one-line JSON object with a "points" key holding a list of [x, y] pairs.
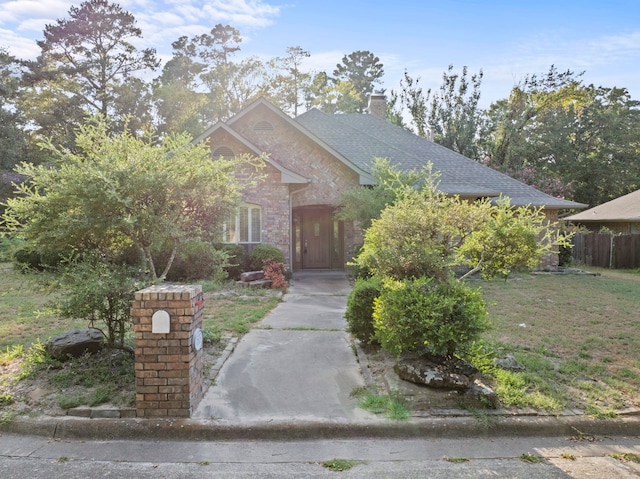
{"points": [[578, 336]]}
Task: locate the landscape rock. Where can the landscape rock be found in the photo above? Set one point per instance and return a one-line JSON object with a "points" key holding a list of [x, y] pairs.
{"points": [[250, 276], [509, 363], [75, 343], [437, 372]]}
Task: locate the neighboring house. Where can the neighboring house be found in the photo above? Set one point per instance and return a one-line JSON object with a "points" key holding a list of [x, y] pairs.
{"points": [[315, 157], [621, 215]]}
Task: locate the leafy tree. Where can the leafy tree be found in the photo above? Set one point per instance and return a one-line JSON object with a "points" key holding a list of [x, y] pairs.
{"points": [[426, 233], [363, 204], [332, 96], [513, 123], [202, 84], [607, 146], [509, 238], [12, 139], [117, 191], [415, 246], [567, 139], [179, 104], [418, 234], [100, 293], [288, 85], [88, 58], [361, 69], [451, 117]]}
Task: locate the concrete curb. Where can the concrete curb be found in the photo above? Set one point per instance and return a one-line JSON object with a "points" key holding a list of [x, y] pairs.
{"points": [[435, 427]]}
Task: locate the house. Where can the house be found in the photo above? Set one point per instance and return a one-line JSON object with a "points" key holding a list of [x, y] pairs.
{"points": [[621, 215], [315, 157]]}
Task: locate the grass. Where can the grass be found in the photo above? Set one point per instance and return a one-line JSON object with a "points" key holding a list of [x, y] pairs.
{"points": [[626, 457], [26, 323], [578, 345], [237, 312], [376, 403], [576, 335], [456, 460], [25, 314], [339, 465], [531, 458]]}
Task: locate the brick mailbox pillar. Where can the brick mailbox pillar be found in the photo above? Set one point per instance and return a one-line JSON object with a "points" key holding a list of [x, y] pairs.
{"points": [[167, 325]]}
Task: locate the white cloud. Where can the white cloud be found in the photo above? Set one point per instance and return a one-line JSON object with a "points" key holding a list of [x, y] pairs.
{"points": [[166, 18], [35, 25], [18, 46], [16, 10]]}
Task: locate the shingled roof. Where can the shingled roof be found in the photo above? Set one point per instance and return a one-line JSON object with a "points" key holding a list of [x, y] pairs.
{"points": [[360, 138], [624, 208]]}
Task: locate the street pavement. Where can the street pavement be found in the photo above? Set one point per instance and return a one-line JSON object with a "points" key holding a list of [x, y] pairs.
{"points": [[495, 457]]}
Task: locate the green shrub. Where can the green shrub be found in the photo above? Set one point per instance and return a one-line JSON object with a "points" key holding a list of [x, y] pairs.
{"points": [[236, 259], [197, 260], [261, 254], [101, 294], [27, 258], [359, 271], [8, 246], [359, 314], [416, 314]]}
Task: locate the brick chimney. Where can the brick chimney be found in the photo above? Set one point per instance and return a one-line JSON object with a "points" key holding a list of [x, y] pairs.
{"points": [[378, 105]]}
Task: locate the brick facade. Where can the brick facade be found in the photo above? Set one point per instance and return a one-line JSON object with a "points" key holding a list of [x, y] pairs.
{"points": [[328, 177], [168, 368]]}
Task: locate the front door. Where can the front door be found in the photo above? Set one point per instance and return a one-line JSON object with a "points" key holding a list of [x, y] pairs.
{"points": [[316, 238]]}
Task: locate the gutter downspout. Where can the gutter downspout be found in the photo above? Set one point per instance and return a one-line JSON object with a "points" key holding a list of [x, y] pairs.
{"points": [[291, 193]]}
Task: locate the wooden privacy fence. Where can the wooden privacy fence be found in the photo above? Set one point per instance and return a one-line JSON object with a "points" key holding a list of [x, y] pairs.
{"points": [[607, 250]]}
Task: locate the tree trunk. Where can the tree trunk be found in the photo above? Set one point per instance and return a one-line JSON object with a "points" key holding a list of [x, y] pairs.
{"points": [[169, 263]]}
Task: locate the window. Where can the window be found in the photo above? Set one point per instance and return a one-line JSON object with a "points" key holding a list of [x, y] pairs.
{"points": [[245, 227]]}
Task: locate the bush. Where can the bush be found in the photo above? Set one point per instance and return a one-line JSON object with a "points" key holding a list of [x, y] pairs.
{"points": [[8, 246], [236, 260], [274, 272], [359, 314], [261, 254], [195, 260], [416, 314], [27, 258], [100, 293], [359, 271]]}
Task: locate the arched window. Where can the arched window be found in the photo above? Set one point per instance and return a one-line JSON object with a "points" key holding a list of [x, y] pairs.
{"points": [[224, 152], [245, 226]]}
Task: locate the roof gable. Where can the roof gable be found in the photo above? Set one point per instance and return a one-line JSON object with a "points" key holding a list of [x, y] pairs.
{"points": [[364, 174], [286, 175]]}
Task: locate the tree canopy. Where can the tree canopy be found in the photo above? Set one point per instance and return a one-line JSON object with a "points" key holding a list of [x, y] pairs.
{"points": [[117, 191], [451, 117], [89, 57], [550, 131]]}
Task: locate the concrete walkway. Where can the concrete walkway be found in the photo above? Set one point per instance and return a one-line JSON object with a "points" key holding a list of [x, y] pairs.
{"points": [[299, 365]]}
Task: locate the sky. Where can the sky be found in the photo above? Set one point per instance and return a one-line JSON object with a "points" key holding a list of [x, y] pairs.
{"points": [[506, 39]]}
